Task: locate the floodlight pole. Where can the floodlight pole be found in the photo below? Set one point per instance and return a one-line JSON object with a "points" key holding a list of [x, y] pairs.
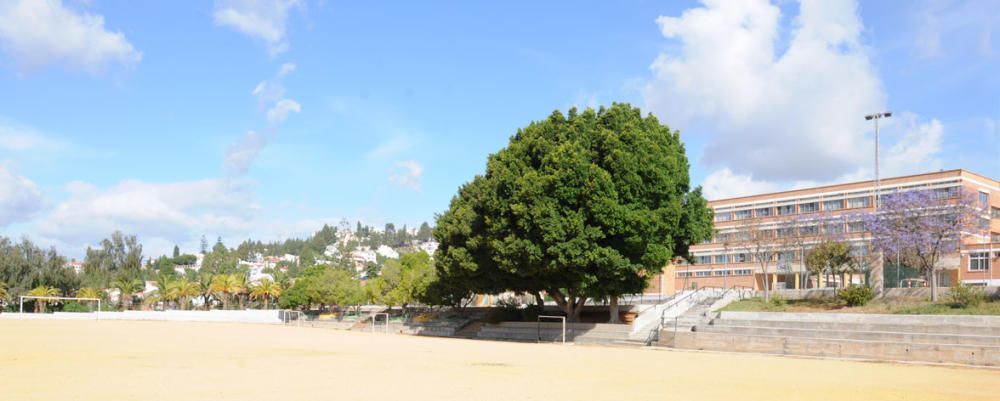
{"points": [[878, 282], [876, 117]]}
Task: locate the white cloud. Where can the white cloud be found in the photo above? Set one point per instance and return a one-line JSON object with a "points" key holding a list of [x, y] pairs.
{"points": [[959, 30], [21, 138], [407, 174], [171, 212], [19, 197], [390, 147], [726, 184], [260, 19], [789, 116], [41, 32], [242, 154], [270, 95], [780, 112], [279, 112]]}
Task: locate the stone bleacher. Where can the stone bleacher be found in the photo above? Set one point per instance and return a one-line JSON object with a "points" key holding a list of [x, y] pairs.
{"points": [[966, 340]]}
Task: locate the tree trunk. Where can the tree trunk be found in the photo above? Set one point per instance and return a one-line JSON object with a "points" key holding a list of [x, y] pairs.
{"points": [[933, 281], [265, 302], [539, 301], [225, 302], [613, 309]]}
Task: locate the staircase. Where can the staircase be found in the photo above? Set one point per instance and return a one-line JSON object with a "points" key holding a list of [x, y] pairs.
{"points": [[697, 314], [966, 340]]}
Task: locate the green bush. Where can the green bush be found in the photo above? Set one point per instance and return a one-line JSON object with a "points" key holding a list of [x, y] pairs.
{"points": [[856, 296], [966, 296], [75, 307], [778, 300]]}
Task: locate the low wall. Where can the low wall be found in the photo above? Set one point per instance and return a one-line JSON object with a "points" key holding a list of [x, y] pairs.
{"points": [[222, 316], [871, 318], [888, 351], [891, 293]]}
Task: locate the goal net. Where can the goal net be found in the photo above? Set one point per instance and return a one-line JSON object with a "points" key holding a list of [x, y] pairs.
{"points": [[384, 325], [89, 307], [553, 330]]}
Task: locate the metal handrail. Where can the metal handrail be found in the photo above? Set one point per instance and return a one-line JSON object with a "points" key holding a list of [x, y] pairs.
{"points": [[688, 295]]}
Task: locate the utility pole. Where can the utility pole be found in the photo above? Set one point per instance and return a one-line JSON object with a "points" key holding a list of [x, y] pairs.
{"points": [[876, 274]]}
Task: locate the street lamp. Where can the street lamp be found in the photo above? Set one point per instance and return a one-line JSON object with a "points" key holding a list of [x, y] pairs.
{"points": [[877, 281], [876, 117]]}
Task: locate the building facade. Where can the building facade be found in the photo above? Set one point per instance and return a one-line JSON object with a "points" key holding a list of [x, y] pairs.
{"points": [[747, 226]]}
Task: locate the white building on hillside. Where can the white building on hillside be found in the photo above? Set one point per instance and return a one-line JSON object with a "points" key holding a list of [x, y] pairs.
{"points": [[387, 252]]}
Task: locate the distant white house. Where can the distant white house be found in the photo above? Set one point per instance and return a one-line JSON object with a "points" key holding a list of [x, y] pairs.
{"points": [[387, 252], [429, 246]]}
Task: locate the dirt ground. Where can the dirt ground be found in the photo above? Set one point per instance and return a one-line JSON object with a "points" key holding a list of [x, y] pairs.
{"points": [[116, 360]]}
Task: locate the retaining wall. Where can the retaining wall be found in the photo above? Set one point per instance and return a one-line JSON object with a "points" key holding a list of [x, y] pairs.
{"points": [[230, 316]]}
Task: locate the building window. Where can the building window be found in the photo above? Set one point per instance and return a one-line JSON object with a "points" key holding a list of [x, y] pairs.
{"points": [[833, 228], [765, 212], [855, 227], [720, 259], [994, 237], [809, 207], [790, 209], [808, 230], [995, 212], [683, 274], [702, 260], [833, 204], [741, 272], [949, 192], [984, 199], [725, 216], [703, 273], [978, 261], [741, 258], [743, 214], [859, 202], [722, 272]]}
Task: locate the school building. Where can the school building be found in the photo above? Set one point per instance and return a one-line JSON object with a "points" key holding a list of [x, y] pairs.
{"points": [[725, 260]]}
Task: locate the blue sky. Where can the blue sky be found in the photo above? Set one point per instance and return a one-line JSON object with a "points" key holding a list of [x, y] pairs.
{"points": [[266, 119]]}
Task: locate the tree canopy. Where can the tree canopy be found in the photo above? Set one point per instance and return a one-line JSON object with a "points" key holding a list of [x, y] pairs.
{"points": [[579, 206]]}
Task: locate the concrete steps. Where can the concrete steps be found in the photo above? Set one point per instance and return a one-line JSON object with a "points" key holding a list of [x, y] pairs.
{"points": [[578, 332], [967, 340], [840, 348], [907, 328], [844, 334]]}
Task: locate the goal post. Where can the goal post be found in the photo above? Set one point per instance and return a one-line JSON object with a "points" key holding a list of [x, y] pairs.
{"points": [[97, 313], [375, 317], [551, 317], [288, 315]]}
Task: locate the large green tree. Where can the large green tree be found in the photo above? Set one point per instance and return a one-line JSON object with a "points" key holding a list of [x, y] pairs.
{"points": [[579, 206]]}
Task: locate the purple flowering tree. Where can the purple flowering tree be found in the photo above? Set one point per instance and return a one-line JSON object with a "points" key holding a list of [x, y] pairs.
{"points": [[923, 226]]}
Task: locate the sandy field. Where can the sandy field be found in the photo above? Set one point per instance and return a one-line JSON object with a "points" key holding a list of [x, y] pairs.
{"points": [[121, 360]]}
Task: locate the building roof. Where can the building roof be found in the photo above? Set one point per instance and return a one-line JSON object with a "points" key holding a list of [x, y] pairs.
{"points": [[858, 184]]}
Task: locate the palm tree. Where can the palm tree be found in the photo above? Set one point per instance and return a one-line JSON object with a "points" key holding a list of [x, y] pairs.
{"points": [[266, 290], [42, 291], [205, 283], [165, 288], [90, 292], [126, 288], [3, 295], [226, 285], [186, 290]]}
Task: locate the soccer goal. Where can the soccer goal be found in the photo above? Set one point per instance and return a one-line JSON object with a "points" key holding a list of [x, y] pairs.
{"points": [[552, 318], [288, 316], [375, 318], [22, 298]]}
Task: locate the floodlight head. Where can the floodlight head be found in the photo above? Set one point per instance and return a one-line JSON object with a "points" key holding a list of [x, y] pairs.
{"points": [[869, 117], [887, 114]]}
